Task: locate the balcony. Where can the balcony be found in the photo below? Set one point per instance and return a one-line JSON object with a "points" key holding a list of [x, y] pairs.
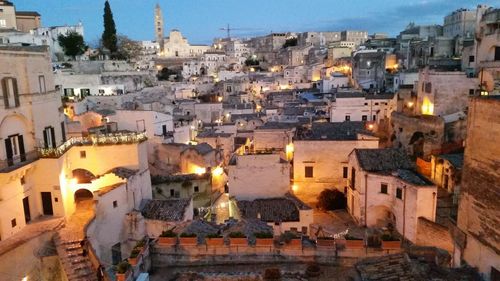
{"points": [[9, 165], [106, 139]]}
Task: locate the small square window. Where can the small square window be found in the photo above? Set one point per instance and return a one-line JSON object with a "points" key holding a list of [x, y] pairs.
{"points": [[366, 103], [471, 92], [345, 172], [13, 222], [115, 204], [172, 193], [383, 188], [376, 103], [347, 118], [399, 193], [56, 199], [308, 172], [83, 154], [364, 118], [196, 189]]}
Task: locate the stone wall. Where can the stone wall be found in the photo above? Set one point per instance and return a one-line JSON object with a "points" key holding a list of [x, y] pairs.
{"points": [[432, 234], [479, 207], [407, 128]]}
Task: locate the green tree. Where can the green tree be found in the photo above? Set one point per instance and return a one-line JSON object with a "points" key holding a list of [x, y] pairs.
{"points": [[109, 38], [72, 44]]}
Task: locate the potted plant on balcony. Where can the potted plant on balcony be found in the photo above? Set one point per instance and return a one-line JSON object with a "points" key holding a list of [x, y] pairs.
{"points": [[167, 237], [263, 239], [291, 239], [188, 239], [214, 239], [354, 242], [140, 245], [121, 270], [238, 238], [325, 241], [390, 242], [134, 256]]}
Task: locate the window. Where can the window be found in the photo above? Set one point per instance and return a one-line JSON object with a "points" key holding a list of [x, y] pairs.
{"points": [[383, 188], [10, 92], [374, 118], [376, 103], [471, 58], [83, 154], [3, 23], [172, 193], [428, 87], [23, 180], [497, 53], [309, 172], [353, 177], [115, 204], [399, 193], [366, 103], [347, 118], [400, 129], [41, 84], [345, 172], [471, 92], [14, 148], [49, 137], [196, 189], [63, 131], [101, 91], [13, 222], [69, 92], [364, 118]]}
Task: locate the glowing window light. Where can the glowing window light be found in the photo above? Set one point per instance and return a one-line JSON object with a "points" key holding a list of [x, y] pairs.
{"points": [[218, 171], [200, 170]]}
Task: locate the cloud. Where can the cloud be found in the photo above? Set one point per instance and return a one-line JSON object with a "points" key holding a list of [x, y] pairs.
{"points": [[394, 20]]}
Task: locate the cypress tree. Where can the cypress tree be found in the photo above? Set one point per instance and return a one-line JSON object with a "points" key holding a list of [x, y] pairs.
{"points": [[109, 39]]}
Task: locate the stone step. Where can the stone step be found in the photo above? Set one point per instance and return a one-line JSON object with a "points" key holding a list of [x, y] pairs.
{"points": [[73, 248], [78, 259]]}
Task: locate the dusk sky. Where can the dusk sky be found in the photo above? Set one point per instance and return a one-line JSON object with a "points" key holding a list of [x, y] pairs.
{"points": [[200, 20]]}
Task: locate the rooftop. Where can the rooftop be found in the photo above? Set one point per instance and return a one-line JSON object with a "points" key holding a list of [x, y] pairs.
{"points": [[279, 209], [27, 13], [347, 130], [277, 126], [457, 160], [165, 210], [383, 160]]}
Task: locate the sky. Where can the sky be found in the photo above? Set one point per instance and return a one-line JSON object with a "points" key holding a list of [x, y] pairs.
{"points": [[200, 20]]}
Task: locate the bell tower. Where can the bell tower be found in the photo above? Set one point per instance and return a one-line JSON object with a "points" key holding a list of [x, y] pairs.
{"points": [[159, 27]]}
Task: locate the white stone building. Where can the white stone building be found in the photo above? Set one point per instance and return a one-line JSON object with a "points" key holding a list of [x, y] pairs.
{"points": [[254, 176], [353, 106], [176, 46], [383, 189], [320, 156]]}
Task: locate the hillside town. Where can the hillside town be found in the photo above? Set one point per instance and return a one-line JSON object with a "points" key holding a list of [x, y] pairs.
{"points": [[318, 155]]}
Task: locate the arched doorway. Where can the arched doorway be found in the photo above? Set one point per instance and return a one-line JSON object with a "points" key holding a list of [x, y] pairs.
{"points": [[417, 143], [83, 175], [83, 194]]}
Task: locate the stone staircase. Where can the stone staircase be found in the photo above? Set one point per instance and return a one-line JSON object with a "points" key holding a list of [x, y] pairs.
{"points": [[76, 265]]}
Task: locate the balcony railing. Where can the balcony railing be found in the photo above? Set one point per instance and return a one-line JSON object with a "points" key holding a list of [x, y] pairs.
{"points": [[13, 163], [106, 139]]}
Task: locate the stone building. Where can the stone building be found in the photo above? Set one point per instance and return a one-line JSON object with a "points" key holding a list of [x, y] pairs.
{"points": [[356, 36], [479, 207], [320, 156], [262, 175], [441, 93], [384, 188], [286, 213], [176, 46], [355, 106]]}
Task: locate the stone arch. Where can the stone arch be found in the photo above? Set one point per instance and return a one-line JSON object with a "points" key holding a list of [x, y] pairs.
{"points": [[417, 144], [83, 194], [83, 175]]}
